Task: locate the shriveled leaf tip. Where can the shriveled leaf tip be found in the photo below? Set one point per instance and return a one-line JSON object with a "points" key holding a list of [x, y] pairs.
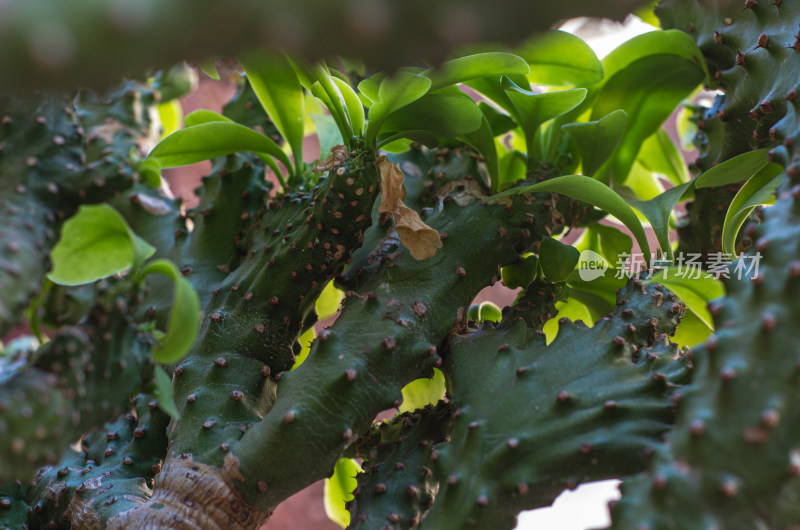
{"points": [[420, 239]]}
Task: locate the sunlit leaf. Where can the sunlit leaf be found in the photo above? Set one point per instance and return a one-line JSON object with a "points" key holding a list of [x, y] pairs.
{"points": [[422, 392], [475, 66], [339, 490], [96, 243], [562, 59], [211, 140], [597, 139], [184, 315], [275, 83], [443, 116], [201, 116], [595, 193], [760, 189], [393, 94]]}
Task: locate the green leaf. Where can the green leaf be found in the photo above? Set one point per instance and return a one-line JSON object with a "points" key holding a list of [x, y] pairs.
{"points": [[328, 302], [275, 83], [96, 243], [598, 139], [500, 122], [560, 58], [736, 169], [659, 154], [443, 116], [489, 312], [760, 189], [520, 274], [595, 193], [658, 209], [535, 109], [355, 109], [328, 133], [150, 171], [339, 490], [164, 394], [393, 94], [334, 100], [423, 392], [572, 309], [370, 86], [212, 140], [184, 315], [611, 242], [647, 89], [482, 140], [672, 42], [198, 117], [475, 66], [512, 169], [171, 116], [557, 259]]}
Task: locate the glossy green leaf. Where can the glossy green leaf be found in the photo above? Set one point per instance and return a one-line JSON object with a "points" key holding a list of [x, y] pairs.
{"points": [[211, 140], [612, 243], [475, 66], [595, 193], [760, 189], [443, 116], [275, 83], [535, 109], [658, 209], [557, 259], [198, 117], [96, 243], [328, 133], [493, 88], [648, 89], [355, 109], [513, 167], [672, 42], [562, 59], [423, 392], [660, 155], [736, 169], [334, 99], [339, 490], [500, 122], [482, 140], [520, 274], [370, 86], [184, 315], [164, 393], [597, 139], [393, 94]]}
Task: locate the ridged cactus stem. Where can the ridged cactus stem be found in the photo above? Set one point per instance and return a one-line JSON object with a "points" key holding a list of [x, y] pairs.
{"points": [[532, 420]]}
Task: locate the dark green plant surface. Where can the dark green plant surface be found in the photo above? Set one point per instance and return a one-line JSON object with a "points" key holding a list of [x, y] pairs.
{"points": [[752, 55], [704, 438], [75, 43], [75, 382]]}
